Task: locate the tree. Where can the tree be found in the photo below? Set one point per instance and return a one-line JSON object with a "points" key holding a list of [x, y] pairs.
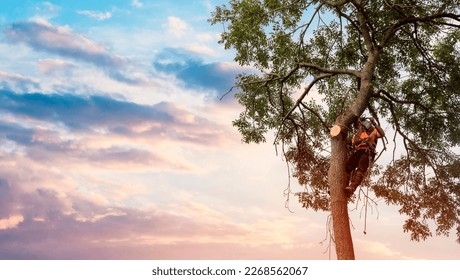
{"points": [[397, 60]]}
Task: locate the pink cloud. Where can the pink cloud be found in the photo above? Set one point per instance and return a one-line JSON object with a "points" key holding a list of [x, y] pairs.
{"points": [[53, 66], [11, 222], [124, 233], [43, 36]]}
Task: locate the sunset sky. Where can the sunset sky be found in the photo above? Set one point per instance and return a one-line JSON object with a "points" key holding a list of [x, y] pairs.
{"points": [[114, 144]]}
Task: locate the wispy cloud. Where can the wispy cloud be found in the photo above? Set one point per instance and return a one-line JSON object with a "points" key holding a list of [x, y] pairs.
{"points": [[17, 82], [51, 7], [200, 49], [96, 15], [47, 10], [43, 36], [137, 3], [55, 66], [96, 113], [80, 113], [58, 40], [380, 250]]}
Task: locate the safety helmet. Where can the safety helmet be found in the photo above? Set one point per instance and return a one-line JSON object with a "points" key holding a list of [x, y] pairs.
{"points": [[366, 123]]}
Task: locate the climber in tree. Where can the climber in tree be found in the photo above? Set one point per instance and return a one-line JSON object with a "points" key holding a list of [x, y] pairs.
{"points": [[364, 142]]}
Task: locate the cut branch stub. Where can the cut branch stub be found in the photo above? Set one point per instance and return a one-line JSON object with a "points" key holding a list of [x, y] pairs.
{"points": [[335, 130]]}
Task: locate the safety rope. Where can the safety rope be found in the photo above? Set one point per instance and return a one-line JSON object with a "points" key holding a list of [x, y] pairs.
{"points": [[368, 171]]}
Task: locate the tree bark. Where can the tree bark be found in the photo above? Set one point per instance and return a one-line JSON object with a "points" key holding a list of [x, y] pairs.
{"points": [[338, 180]]}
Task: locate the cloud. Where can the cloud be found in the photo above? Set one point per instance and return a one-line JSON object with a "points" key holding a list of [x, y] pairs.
{"points": [[47, 10], [58, 40], [208, 4], [43, 36], [11, 222], [55, 66], [195, 73], [200, 49], [82, 113], [378, 250], [81, 156], [206, 37], [177, 26], [96, 15], [137, 3], [17, 82], [78, 228], [102, 132], [51, 7], [100, 113]]}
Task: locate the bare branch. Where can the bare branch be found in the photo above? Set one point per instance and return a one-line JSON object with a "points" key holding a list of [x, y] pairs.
{"points": [[307, 25]]}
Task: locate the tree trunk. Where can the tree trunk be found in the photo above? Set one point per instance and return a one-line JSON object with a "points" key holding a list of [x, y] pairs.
{"points": [[337, 175], [338, 180]]}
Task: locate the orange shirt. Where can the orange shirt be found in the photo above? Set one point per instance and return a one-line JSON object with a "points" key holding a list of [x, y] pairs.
{"points": [[368, 140]]}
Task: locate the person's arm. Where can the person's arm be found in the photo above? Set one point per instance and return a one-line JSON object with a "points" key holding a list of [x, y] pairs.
{"points": [[356, 140], [380, 131]]}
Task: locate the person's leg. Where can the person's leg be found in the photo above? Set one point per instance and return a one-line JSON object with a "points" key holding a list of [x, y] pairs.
{"points": [[358, 175], [353, 161]]}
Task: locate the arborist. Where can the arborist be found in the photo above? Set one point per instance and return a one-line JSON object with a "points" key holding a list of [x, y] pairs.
{"points": [[364, 142]]}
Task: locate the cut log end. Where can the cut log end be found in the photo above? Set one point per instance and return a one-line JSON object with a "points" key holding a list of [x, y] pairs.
{"points": [[335, 130]]}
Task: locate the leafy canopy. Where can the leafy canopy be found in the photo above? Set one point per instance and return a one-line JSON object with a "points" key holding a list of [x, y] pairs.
{"points": [[409, 50]]}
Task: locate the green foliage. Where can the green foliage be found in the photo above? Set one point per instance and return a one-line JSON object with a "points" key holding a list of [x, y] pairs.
{"points": [[325, 52]]}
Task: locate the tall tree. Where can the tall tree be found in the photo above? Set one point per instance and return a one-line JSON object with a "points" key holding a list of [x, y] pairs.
{"points": [[397, 60]]}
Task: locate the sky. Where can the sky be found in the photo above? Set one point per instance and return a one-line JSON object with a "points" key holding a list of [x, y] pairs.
{"points": [[115, 144]]}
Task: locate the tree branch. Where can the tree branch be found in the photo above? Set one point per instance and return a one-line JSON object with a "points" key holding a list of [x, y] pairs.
{"points": [[271, 77], [347, 17], [364, 27], [327, 70], [306, 91], [307, 25], [387, 95], [325, 126], [300, 99], [391, 31]]}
